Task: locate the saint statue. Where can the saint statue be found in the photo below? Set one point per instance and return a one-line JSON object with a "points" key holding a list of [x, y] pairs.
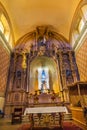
{"points": [[43, 84]]}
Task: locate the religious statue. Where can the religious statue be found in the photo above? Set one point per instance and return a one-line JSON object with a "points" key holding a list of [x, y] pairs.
{"points": [[24, 66], [43, 80], [43, 87], [53, 96]]}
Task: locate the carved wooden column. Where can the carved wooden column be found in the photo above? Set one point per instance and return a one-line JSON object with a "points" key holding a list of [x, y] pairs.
{"points": [[64, 67], [64, 79], [11, 72], [28, 72], [66, 95], [60, 65], [62, 75], [24, 66], [14, 70], [58, 71], [65, 90], [27, 78], [73, 67]]}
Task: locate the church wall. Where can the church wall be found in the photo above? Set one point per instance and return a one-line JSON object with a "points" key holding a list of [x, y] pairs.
{"points": [[4, 66], [81, 57], [78, 38], [6, 46]]}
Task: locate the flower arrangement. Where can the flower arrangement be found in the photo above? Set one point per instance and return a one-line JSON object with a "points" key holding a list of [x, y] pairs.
{"points": [[53, 96]]}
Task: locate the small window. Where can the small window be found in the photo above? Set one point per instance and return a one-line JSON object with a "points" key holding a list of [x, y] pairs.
{"points": [[1, 27], [75, 35], [7, 35], [6, 27], [84, 11], [81, 25]]}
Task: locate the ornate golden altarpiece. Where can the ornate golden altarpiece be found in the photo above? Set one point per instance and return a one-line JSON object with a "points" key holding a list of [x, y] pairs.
{"points": [[44, 41]]}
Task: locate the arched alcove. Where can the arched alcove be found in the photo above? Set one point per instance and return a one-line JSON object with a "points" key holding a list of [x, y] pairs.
{"points": [[47, 64]]}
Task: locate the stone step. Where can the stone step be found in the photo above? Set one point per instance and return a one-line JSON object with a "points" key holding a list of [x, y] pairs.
{"points": [[25, 118], [68, 116]]}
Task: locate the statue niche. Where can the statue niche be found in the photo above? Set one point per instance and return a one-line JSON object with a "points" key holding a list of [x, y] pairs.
{"points": [[41, 45], [43, 75]]}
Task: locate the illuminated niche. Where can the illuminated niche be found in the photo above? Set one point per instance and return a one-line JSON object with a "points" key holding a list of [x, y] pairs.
{"points": [[43, 79]]}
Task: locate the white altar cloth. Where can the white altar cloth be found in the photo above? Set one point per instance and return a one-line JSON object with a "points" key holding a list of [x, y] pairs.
{"points": [[46, 110]]}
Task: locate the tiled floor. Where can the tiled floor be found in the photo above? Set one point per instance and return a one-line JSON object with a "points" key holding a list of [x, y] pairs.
{"points": [[5, 124]]}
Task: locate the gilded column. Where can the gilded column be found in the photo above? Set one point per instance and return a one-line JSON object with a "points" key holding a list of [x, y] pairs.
{"points": [[28, 72], [62, 74], [62, 69], [24, 66], [73, 68]]}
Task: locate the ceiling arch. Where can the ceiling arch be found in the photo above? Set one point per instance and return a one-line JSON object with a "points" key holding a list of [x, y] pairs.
{"points": [[26, 14]]}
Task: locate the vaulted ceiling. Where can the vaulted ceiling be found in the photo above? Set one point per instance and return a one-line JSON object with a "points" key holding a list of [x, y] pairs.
{"points": [[27, 14]]}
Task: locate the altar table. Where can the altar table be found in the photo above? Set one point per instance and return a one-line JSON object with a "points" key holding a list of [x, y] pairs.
{"points": [[57, 109]]}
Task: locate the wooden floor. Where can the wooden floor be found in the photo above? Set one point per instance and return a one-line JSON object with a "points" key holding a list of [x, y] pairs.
{"points": [[5, 124]]}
